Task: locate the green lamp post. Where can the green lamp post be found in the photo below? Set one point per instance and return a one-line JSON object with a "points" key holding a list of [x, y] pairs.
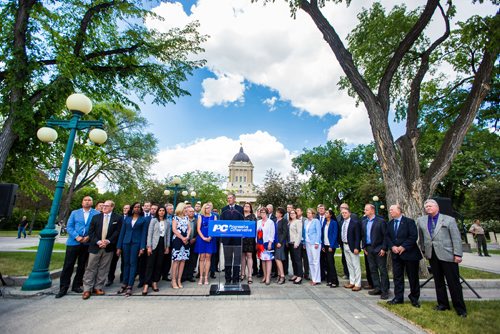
{"points": [[79, 105], [378, 204], [176, 181]]}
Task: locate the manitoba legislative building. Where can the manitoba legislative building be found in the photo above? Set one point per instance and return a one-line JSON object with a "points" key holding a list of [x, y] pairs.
{"points": [[240, 180]]}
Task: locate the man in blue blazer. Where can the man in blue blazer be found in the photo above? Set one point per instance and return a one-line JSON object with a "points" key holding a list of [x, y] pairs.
{"points": [[149, 211], [402, 237], [77, 247], [373, 232], [351, 241]]}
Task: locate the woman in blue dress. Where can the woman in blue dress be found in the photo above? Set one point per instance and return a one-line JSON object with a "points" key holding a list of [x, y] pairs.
{"points": [[180, 244], [205, 246]]}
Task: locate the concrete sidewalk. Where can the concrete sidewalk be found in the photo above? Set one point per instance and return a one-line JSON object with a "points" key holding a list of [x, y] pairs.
{"points": [[12, 244], [490, 264]]}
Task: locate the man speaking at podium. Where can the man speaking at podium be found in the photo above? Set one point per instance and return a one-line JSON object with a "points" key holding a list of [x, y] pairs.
{"points": [[232, 246]]}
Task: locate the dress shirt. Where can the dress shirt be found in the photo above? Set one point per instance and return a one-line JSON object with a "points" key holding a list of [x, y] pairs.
{"points": [[133, 222], [307, 225], [431, 223], [162, 228], [369, 225], [345, 226], [397, 221]]}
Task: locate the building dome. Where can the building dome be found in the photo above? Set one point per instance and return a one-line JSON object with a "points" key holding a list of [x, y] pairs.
{"points": [[241, 156]]}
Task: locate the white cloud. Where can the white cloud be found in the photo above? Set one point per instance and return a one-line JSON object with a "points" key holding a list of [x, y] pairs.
{"points": [[265, 46], [226, 88], [215, 154], [271, 103]]}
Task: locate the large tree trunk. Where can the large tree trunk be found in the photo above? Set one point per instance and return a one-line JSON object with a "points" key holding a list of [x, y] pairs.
{"points": [[7, 139]]}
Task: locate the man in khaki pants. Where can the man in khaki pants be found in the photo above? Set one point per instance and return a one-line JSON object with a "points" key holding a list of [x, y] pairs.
{"points": [[103, 232], [478, 232]]}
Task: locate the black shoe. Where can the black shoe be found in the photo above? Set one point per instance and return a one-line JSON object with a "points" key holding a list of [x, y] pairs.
{"points": [[62, 292], [259, 275], [77, 290], [441, 308], [374, 292], [212, 275], [462, 314], [140, 285], [228, 282], [480, 254], [415, 304], [167, 279], [191, 279], [334, 285], [109, 284], [394, 302], [488, 255], [384, 295]]}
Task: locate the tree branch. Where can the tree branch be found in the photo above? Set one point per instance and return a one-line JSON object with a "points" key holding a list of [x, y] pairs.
{"points": [[84, 24], [456, 134], [402, 49], [112, 52]]}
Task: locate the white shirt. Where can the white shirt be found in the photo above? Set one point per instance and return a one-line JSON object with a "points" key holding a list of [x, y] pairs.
{"points": [[325, 233], [162, 228], [268, 230], [345, 226]]}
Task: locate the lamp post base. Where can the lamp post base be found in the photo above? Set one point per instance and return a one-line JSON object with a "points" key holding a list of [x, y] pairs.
{"points": [[39, 278]]}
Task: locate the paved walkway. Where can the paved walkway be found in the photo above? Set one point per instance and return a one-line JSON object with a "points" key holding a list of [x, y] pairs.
{"points": [[287, 308]]}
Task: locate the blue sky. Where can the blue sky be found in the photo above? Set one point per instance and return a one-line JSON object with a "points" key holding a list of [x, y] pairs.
{"points": [[270, 83]]}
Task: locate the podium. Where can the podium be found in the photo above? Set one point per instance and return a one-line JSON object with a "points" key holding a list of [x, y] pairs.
{"points": [[231, 233]]}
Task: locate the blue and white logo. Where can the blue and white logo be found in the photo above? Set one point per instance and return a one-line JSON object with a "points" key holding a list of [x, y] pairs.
{"points": [[232, 228]]}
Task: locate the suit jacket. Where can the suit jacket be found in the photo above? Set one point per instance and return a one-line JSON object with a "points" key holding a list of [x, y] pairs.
{"points": [[333, 231], [406, 236], [133, 235], [377, 234], [154, 233], [95, 232], [273, 217], [77, 226], [314, 232], [353, 234], [446, 240], [235, 214], [340, 222]]}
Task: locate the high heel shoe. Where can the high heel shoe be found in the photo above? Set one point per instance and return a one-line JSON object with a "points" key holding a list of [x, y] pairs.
{"points": [[155, 287], [282, 280], [179, 284], [298, 280], [206, 280], [145, 290], [128, 292], [122, 290], [174, 284]]}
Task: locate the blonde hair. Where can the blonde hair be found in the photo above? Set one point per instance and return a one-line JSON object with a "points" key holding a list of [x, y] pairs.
{"points": [[179, 211], [204, 207]]}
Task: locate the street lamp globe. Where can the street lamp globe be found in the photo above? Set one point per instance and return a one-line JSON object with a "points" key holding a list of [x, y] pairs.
{"points": [[193, 193], [382, 206], [176, 180], [79, 102], [184, 193], [166, 192], [98, 136], [375, 198], [46, 134]]}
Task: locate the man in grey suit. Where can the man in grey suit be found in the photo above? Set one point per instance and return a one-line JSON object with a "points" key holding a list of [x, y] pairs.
{"points": [[440, 242]]}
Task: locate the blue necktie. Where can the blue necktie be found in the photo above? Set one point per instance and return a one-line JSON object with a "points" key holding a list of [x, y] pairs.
{"points": [[396, 226]]}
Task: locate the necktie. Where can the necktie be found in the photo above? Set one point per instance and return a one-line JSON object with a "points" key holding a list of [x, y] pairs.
{"points": [[396, 226], [344, 230], [105, 227]]}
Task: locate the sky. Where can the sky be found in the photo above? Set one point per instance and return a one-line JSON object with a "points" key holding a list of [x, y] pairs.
{"points": [[269, 84]]}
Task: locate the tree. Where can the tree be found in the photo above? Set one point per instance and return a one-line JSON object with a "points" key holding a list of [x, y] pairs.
{"points": [[385, 66], [125, 158], [278, 191], [101, 48], [338, 174]]}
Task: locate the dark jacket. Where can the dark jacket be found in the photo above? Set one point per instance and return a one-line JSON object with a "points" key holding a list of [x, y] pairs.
{"points": [[377, 234], [340, 221], [407, 237], [282, 234], [354, 234], [95, 232], [234, 214]]}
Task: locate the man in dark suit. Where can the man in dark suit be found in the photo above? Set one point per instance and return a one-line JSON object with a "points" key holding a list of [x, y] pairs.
{"points": [[114, 260], [340, 221], [351, 242], [232, 246], [441, 243], [375, 248], [402, 242], [103, 233]]}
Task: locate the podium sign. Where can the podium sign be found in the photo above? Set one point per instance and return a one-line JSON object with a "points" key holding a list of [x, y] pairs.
{"points": [[232, 228]]}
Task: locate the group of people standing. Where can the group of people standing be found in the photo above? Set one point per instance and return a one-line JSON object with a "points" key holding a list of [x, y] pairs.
{"points": [[155, 241]]}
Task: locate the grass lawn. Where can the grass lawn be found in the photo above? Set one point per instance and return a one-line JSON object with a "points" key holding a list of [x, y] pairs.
{"points": [[57, 246], [21, 263], [11, 233], [491, 251], [482, 317]]}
